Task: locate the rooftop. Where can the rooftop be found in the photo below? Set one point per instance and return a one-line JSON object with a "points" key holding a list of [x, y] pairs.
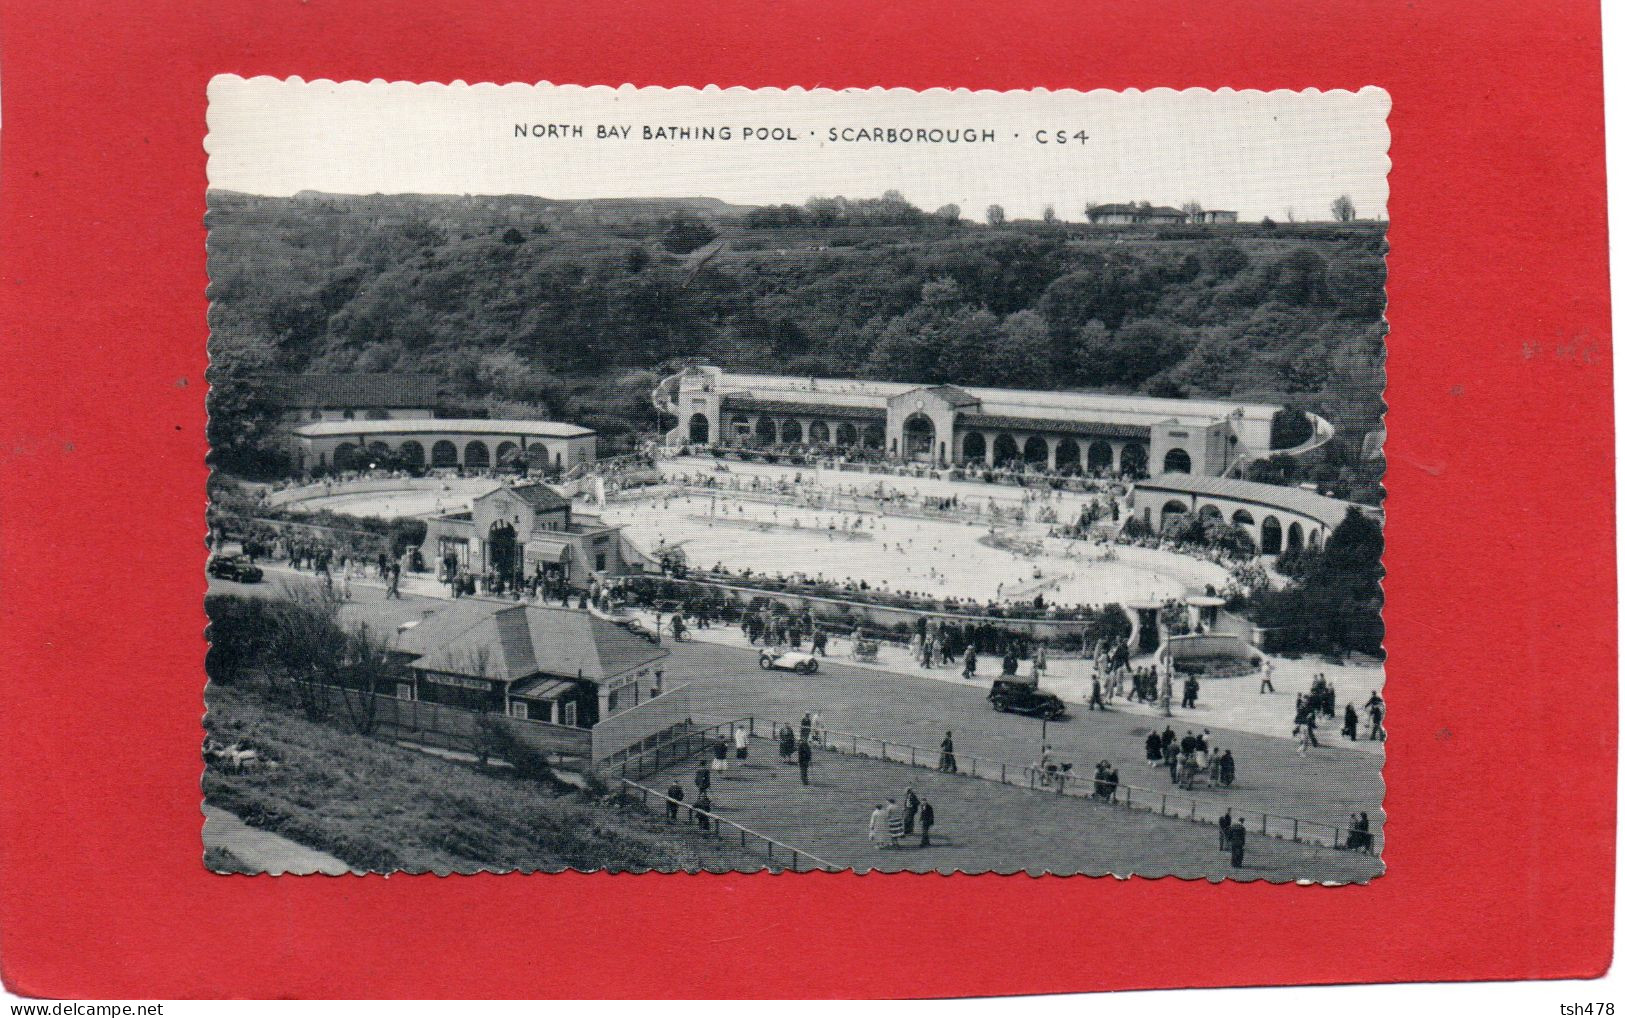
{"points": [[508, 642], [1323, 508], [443, 425]]}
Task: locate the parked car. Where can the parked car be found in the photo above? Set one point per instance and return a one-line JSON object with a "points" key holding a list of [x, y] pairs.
{"points": [[1014, 696], [788, 661], [235, 567]]}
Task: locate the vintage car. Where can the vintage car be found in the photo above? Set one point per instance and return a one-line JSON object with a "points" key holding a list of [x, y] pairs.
{"points": [[788, 660], [235, 567], [1017, 696]]}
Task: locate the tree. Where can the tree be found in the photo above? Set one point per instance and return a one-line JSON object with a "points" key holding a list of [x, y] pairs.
{"points": [[513, 236], [1343, 209], [1049, 214], [1193, 209], [948, 213], [684, 232], [995, 215]]}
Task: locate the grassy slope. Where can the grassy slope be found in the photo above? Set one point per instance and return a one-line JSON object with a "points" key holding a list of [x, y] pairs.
{"points": [[380, 807]]}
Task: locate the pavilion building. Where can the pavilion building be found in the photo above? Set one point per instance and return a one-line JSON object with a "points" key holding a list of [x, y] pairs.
{"points": [[954, 425]]}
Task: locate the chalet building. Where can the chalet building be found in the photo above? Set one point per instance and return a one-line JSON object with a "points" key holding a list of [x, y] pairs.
{"points": [[525, 531], [1214, 216], [533, 662], [1135, 213]]}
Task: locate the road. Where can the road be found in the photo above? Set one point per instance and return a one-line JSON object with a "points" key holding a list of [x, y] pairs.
{"points": [[726, 683]]}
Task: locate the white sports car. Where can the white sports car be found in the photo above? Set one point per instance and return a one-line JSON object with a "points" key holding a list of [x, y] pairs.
{"points": [[788, 661]]}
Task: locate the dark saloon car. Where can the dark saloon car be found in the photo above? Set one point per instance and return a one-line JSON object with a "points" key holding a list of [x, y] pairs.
{"points": [[235, 567], [1018, 697]]}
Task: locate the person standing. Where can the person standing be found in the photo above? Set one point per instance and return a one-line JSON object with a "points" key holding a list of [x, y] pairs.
{"points": [[741, 742], [928, 818], [911, 809], [1266, 680], [702, 779], [1040, 662], [894, 824], [946, 762], [702, 811], [719, 755], [674, 799], [1095, 702], [877, 826], [820, 642], [806, 727], [804, 760], [817, 729], [1238, 843], [1351, 723], [787, 744], [1224, 831], [969, 671]]}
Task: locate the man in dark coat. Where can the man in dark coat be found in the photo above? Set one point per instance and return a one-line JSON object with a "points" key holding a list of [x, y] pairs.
{"points": [[947, 762], [804, 759], [702, 779], [1227, 769], [928, 816], [674, 798], [1153, 747], [1224, 831], [702, 806], [806, 727], [1238, 843]]}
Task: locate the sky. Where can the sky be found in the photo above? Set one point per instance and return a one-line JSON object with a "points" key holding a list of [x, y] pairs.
{"points": [[1277, 154]]}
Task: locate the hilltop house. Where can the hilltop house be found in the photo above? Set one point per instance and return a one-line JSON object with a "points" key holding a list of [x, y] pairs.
{"points": [[1135, 213]]}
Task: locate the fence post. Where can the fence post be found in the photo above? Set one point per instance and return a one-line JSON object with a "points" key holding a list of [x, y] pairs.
{"points": [[1165, 804], [1128, 795], [1266, 828], [912, 762], [882, 749], [1002, 778], [1294, 828]]}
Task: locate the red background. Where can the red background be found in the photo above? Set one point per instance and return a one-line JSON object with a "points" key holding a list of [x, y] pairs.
{"points": [[1500, 524]]}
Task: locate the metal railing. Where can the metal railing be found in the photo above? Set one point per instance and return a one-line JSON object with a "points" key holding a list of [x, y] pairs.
{"points": [[1082, 786], [778, 853], [648, 760]]}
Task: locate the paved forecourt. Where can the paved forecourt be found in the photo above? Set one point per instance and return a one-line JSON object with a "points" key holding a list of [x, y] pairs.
{"points": [[726, 683], [984, 826]]}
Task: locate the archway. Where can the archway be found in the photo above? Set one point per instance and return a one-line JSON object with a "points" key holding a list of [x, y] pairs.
{"points": [[1314, 540], [919, 437], [818, 433], [740, 431], [974, 448], [1035, 451], [1171, 509], [874, 436], [507, 453], [846, 435], [1067, 455], [1005, 450], [1100, 456], [503, 545], [1177, 461], [411, 453], [1210, 512], [790, 433], [1242, 518], [443, 454], [1134, 460], [1270, 536], [476, 456], [378, 454], [1294, 537], [699, 429], [766, 432], [346, 456]]}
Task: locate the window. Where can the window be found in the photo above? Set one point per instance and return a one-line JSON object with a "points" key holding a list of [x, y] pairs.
{"points": [[403, 691], [570, 714], [599, 558], [519, 709]]}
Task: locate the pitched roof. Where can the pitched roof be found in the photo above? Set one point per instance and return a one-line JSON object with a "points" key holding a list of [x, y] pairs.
{"points": [[746, 403], [508, 642], [540, 496], [1314, 505], [360, 391], [954, 396], [1056, 425]]}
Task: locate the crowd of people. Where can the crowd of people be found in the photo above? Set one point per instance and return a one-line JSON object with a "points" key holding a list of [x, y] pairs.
{"points": [[1191, 759]]}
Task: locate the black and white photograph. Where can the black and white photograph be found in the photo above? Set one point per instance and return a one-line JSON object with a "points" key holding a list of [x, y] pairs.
{"points": [[643, 479]]}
